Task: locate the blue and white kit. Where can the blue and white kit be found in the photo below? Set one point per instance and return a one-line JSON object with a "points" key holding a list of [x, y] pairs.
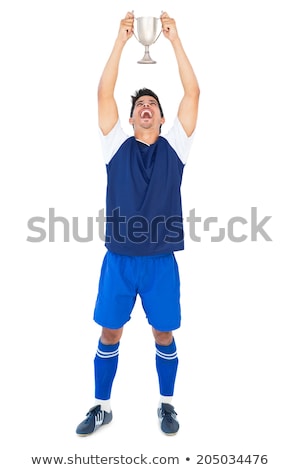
{"points": [[144, 227]]}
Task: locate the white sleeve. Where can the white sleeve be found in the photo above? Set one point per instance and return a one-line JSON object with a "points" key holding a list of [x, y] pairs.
{"points": [[178, 139], [112, 141]]}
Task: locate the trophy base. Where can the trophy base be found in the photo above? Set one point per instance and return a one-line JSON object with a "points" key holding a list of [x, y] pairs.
{"points": [[146, 59]]}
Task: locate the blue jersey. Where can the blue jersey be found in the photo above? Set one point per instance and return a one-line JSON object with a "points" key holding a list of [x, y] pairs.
{"points": [[143, 201]]}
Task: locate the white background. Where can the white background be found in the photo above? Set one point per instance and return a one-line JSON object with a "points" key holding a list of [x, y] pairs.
{"points": [[237, 389]]}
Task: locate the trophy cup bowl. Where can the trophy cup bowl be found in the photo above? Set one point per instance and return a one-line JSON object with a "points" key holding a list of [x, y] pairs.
{"points": [[147, 27]]}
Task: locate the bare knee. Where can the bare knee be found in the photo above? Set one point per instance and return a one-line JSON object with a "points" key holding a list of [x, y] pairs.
{"points": [[110, 336], [163, 338]]}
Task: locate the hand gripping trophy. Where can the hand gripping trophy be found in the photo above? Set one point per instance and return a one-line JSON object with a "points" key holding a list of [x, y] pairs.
{"points": [[147, 34]]}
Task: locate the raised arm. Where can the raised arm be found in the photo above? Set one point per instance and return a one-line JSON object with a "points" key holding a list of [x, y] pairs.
{"points": [[107, 106], [188, 107]]}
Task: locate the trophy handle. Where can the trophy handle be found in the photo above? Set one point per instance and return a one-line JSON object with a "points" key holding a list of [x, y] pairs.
{"points": [[157, 36], [136, 37]]}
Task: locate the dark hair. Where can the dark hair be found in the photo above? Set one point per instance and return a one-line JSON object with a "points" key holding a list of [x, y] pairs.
{"points": [[144, 92]]}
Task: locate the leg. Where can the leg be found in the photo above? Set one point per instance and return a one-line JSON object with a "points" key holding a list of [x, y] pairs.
{"points": [[160, 293], [112, 311], [163, 338], [166, 363], [105, 367], [166, 366], [110, 336]]}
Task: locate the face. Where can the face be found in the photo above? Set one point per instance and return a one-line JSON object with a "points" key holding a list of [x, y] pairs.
{"points": [[146, 114]]}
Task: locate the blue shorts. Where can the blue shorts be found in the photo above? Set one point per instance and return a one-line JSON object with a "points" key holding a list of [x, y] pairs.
{"points": [[154, 278]]}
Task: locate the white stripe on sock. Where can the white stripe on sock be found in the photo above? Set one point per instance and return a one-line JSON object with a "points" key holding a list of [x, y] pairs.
{"points": [[107, 354], [166, 356]]}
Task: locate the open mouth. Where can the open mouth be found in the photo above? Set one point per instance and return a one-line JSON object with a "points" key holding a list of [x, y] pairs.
{"points": [[146, 114]]}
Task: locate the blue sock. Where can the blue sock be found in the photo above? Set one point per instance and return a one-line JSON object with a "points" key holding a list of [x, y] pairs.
{"points": [[105, 367], [166, 366]]}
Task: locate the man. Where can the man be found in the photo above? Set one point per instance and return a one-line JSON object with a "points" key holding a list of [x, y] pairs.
{"points": [[143, 225]]}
